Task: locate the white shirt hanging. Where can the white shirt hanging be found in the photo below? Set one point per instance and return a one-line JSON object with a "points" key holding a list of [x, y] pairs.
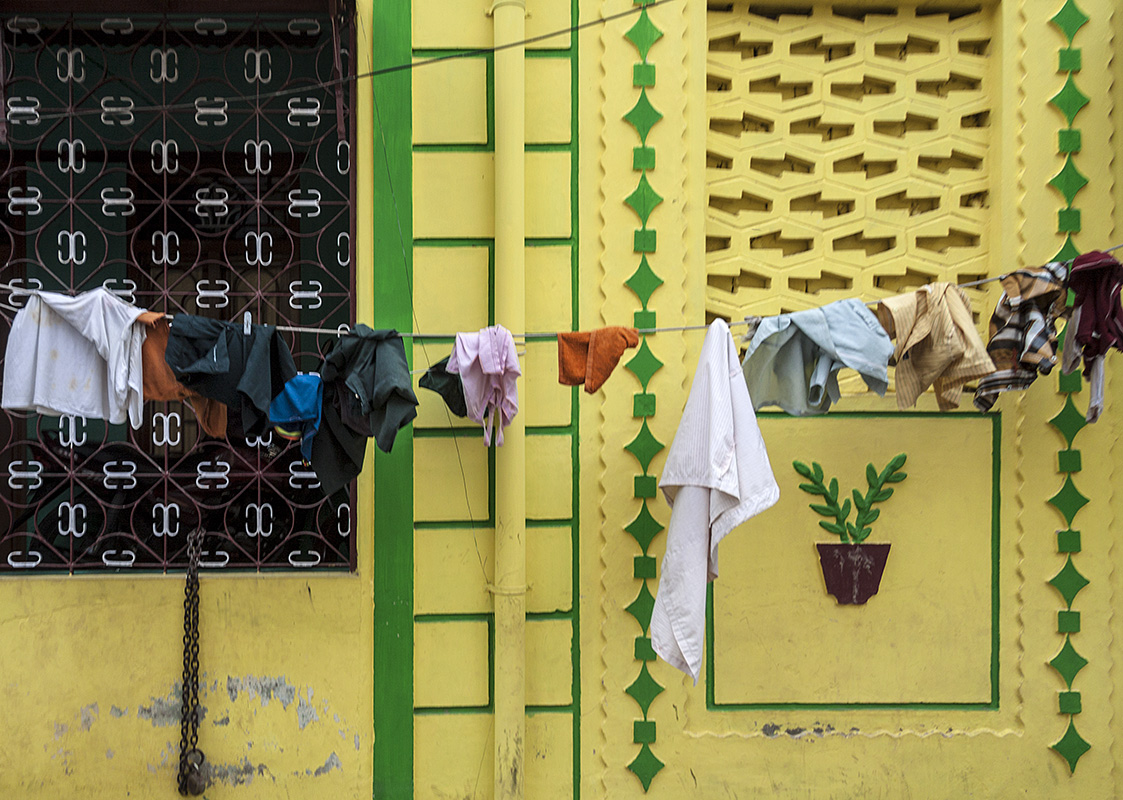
{"points": [[717, 476], [76, 355]]}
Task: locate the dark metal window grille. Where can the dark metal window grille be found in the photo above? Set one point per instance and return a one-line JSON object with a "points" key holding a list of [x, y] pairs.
{"points": [[165, 188]]}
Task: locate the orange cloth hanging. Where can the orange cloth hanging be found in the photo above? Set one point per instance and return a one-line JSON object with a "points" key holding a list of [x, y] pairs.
{"points": [[589, 357], [160, 382]]}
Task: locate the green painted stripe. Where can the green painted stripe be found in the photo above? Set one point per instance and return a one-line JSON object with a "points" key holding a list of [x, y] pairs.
{"points": [[463, 241], [457, 616], [549, 523], [393, 495], [574, 397], [551, 241], [547, 615], [551, 430], [452, 524], [548, 147], [995, 552], [561, 709], [472, 432]]}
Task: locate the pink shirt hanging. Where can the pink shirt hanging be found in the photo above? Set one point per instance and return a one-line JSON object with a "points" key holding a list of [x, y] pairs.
{"points": [[488, 367]]}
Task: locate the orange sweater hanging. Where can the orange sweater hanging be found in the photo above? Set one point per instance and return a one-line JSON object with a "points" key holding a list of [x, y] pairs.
{"points": [[589, 357]]}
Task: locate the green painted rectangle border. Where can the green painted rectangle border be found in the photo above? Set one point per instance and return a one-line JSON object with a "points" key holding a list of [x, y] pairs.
{"points": [[995, 522]]}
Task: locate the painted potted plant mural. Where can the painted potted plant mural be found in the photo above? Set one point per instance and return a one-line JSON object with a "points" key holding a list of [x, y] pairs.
{"points": [[852, 569]]}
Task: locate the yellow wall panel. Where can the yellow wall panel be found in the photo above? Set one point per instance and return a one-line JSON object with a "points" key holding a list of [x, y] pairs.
{"points": [[448, 576], [452, 285], [548, 192], [453, 195], [450, 102], [454, 23], [549, 569], [450, 664], [439, 484], [549, 756], [549, 669], [453, 756], [548, 308], [549, 477], [547, 100], [926, 636]]}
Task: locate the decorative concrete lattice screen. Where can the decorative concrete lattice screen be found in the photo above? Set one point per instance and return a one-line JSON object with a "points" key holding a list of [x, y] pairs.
{"points": [[847, 152]]}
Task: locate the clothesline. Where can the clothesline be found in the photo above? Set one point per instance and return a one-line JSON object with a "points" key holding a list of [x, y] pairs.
{"points": [[530, 335]]}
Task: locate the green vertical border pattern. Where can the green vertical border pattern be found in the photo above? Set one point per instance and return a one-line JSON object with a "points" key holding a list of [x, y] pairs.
{"points": [[1068, 500], [643, 200], [393, 472]]}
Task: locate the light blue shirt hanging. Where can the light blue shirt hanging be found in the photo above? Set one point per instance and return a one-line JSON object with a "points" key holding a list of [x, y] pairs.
{"points": [[793, 359]]}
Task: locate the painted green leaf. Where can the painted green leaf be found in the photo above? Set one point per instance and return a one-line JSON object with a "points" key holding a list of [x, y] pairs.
{"points": [[844, 512], [812, 488], [818, 471], [872, 515], [859, 500], [896, 477], [833, 527], [826, 511], [862, 535], [883, 495], [871, 475], [802, 468], [832, 493]]}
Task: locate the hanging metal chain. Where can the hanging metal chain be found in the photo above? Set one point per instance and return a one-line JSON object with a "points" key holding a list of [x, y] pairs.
{"points": [[191, 779]]}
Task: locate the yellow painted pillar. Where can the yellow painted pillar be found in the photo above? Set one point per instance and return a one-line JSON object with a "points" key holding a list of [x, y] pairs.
{"points": [[510, 463]]}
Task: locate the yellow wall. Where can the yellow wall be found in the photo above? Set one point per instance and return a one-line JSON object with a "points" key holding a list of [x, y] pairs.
{"points": [[805, 698]]}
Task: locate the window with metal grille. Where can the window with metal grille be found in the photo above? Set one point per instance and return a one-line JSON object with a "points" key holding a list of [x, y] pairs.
{"points": [[195, 162]]}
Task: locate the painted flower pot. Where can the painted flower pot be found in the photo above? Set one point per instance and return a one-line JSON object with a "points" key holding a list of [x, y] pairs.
{"points": [[852, 572]]}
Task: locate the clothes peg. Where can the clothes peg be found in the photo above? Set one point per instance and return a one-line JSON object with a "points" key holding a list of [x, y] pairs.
{"points": [[247, 321]]}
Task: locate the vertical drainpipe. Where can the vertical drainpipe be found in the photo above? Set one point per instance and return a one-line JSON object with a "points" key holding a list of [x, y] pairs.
{"points": [[509, 17]]}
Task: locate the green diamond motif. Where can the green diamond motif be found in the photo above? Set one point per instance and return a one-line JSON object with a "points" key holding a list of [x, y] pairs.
{"points": [[1068, 662], [1069, 19], [1072, 746], [644, 689], [646, 766], [643, 116], [1069, 181], [1068, 252], [644, 199], [644, 528], [1069, 421], [644, 447], [641, 607], [1068, 500], [1069, 582], [1069, 100], [644, 364], [644, 281], [644, 34]]}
